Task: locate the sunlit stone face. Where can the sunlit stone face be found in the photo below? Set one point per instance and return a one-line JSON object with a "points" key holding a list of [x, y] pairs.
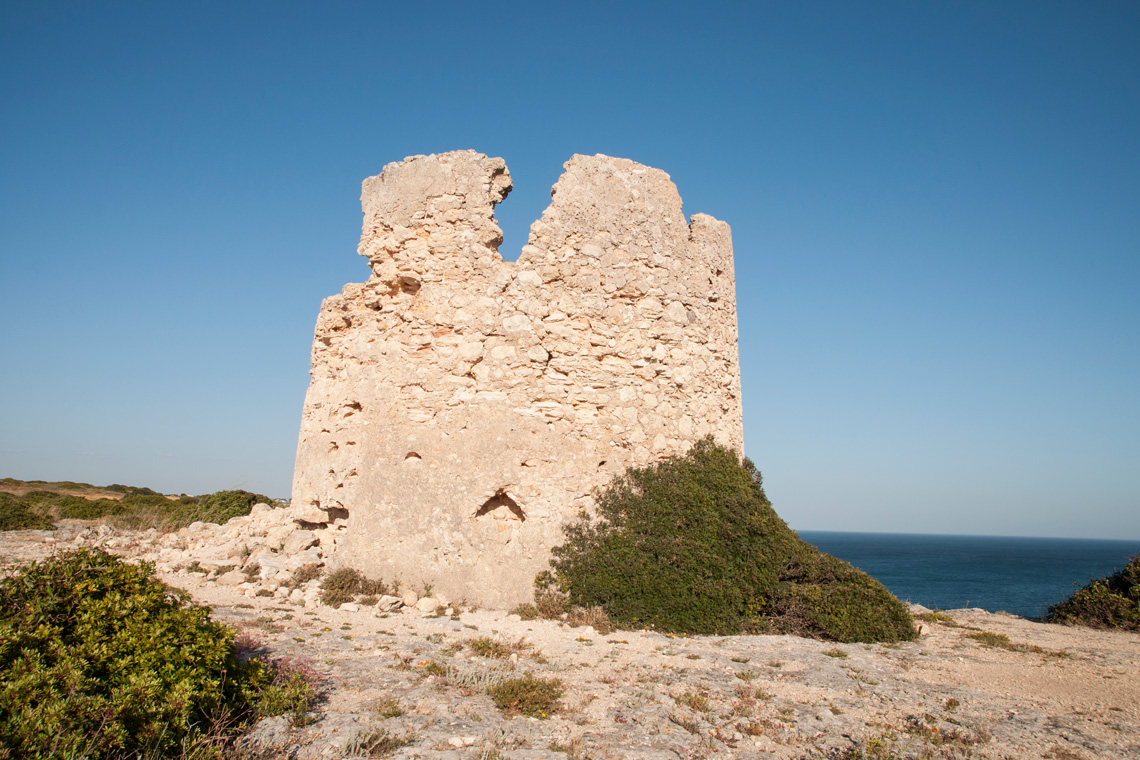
{"points": [[462, 409]]}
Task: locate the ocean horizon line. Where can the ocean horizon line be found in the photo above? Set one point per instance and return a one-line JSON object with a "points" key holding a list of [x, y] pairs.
{"points": [[801, 531]]}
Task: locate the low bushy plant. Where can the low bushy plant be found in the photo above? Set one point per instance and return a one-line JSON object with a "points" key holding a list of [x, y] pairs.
{"points": [[218, 507], [528, 695], [291, 690], [592, 616], [485, 646], [310, 571], [550, 603], [378, 743], [346, 584], [691, 544], [526, 611], [99, 659], [1111, 602]]}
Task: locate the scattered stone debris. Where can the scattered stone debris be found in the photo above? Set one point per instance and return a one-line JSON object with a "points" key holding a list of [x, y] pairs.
{"points": [[408, 681]]}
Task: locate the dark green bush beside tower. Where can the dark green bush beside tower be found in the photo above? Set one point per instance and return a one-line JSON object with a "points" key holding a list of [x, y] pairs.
{"points": [[1112, 602], [692, 544], [99, 659]]}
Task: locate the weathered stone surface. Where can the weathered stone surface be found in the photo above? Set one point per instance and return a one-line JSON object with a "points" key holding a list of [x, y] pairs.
{"points": [[428, 604], [232, 578], [387, 603], [298, 541], [462, 409]]}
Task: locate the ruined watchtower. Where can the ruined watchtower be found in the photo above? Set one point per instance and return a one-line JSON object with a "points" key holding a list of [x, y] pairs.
{"points": [[462, 409]]}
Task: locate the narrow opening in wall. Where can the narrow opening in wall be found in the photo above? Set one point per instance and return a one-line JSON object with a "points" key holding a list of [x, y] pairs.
{"points": [[525, 206], [502, 501]]}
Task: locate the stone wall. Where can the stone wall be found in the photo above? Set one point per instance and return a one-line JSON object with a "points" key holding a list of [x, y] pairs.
{"points": [[462, 409]]}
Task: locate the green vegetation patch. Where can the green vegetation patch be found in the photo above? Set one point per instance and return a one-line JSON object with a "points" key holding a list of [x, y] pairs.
{"points": [[347, 584], [1112, 602], [378, 743], [219, 507], [691, 544], [938, 616], [1001, 641], [15, 515], [138, 508], [528, 695], [99, 659]]}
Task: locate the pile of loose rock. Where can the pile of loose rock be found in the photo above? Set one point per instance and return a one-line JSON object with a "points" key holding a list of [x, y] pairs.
{"points": [[271, 551]]}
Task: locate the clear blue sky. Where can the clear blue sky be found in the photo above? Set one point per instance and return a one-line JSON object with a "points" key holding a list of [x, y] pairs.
{"points": [[935, 210]]}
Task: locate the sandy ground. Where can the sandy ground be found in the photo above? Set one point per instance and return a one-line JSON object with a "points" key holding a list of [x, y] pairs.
{"points": [[641, 694]]}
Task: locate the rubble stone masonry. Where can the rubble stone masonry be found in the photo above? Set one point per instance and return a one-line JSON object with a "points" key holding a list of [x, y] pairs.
{"points": [[462, 408]]}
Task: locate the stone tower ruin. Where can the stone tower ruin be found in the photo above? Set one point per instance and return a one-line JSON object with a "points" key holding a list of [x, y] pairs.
{"points": [[462, 408]]}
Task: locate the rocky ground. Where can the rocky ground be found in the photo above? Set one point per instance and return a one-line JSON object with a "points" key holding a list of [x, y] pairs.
{"points": [[409, 680]]}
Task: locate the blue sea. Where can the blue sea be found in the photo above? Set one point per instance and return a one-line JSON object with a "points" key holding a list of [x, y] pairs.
{"points": [[1018, 575]]}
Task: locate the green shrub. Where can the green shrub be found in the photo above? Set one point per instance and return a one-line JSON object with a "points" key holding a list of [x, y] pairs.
{"points": [[1112, 602], [694, 700], [138, 509], [62, 506], [485, 646], [219, 507], [99, 659], [292, 690], [592, 616], [346, 584], [526, 611], [533, 697], [549, 601], [310, 571], [53, 505], [938, 616], [691, 544], [132, 490], [15, 515], [142, 502], [378, 743]]}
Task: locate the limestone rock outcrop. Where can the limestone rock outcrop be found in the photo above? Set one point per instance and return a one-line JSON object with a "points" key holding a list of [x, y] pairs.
{"points": [[462, 408]]}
